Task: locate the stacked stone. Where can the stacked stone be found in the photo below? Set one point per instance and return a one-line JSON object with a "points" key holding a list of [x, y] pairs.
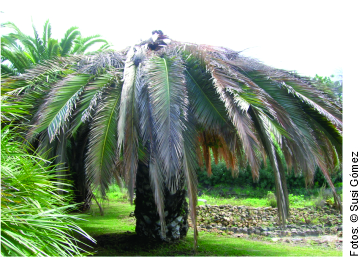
{"points": [[264, 221]]}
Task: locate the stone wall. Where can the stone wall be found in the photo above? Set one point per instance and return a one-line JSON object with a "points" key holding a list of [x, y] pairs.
{"points": [[264, 220]]}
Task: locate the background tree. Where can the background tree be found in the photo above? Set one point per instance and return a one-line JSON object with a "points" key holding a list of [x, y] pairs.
{"points": [[20, 51], [333, 88], [152, 115]]}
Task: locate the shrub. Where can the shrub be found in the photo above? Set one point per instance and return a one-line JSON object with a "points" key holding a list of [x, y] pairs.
{"points": [[272, 200], [34, 215], [323, 196], [296, 183]]}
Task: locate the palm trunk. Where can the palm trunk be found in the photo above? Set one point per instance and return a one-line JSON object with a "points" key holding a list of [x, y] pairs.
{"points": [[147, 218], [77, 156]]}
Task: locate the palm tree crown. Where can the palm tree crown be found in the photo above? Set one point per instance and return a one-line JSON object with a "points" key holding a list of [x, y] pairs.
{"points": [[171, 107], [21, 51]]}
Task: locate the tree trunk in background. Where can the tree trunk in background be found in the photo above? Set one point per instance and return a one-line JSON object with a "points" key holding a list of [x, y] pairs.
{"points": [[77, 157], [147, 218]]}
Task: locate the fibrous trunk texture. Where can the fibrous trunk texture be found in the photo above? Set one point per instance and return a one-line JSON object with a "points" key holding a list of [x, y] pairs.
{"points": [[147, 218], [81, 189]]}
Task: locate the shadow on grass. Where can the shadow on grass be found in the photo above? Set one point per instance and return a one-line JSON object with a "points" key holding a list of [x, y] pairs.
{"points": [[129, 244]]}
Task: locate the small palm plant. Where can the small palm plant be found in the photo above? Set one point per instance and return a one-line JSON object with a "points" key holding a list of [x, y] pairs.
{"points": [[155, 111], [34, 217], [20, 51]]}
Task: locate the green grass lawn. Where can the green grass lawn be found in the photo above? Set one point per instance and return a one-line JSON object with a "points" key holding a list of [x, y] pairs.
{"points": [[295, 201], [115, 235], [250, 197]]}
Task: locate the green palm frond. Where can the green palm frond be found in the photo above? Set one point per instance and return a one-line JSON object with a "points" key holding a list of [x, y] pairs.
{"points": [[93, 95], [297, 127], [90, 99], [68, 40], [105, 47], [8, 70], [38, 43], [55, 66], [34, 217], [82, 44], [205, 102], [167, 93], [264, 130], [245, 129], [59, 106], [318, 108], [146, 135], [46, 35], [102, 147], [190, 164], [18, 60], [53, 48]]}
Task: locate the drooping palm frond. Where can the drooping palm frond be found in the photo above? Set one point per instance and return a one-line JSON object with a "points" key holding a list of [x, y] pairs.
{"points": [[61, 103], [189, 167], [169, 109], [102, 61], [101, 153], [263, 128], [93, 95], [13, 56], [206, 105], [127, 123], [167, 95], [54, 67], [245, 83], [147, 136]]}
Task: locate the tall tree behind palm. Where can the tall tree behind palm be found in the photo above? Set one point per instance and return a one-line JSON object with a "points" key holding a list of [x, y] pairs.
{"points": [[20, 51], [153, 112]]}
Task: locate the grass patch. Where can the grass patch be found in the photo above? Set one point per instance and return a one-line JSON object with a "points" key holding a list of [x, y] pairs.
{"points": [[116, 218], [218, 200], [222, 195], [115, 235]]}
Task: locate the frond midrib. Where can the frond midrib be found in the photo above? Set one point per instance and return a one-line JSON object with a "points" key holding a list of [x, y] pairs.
{"points": [[107, 129], [210, 102], [66, 103], [168, 93]]}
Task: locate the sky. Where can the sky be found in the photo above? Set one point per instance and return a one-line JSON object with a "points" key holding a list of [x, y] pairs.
{"points": [[294, 35]]}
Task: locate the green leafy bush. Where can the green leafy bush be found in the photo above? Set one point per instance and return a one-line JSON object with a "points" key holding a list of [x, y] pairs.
{"points": [[272, 200], [296, 183], [34, 214]]}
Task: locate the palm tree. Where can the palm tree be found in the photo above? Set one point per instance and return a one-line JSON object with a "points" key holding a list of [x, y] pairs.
{"points": [[83, 44], [20, 51], [153, 112]]}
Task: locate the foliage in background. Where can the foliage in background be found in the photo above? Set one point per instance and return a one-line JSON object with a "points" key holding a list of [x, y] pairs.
{"points": [[221, 175], [333, 88], [20, 52], [34, 213]]}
